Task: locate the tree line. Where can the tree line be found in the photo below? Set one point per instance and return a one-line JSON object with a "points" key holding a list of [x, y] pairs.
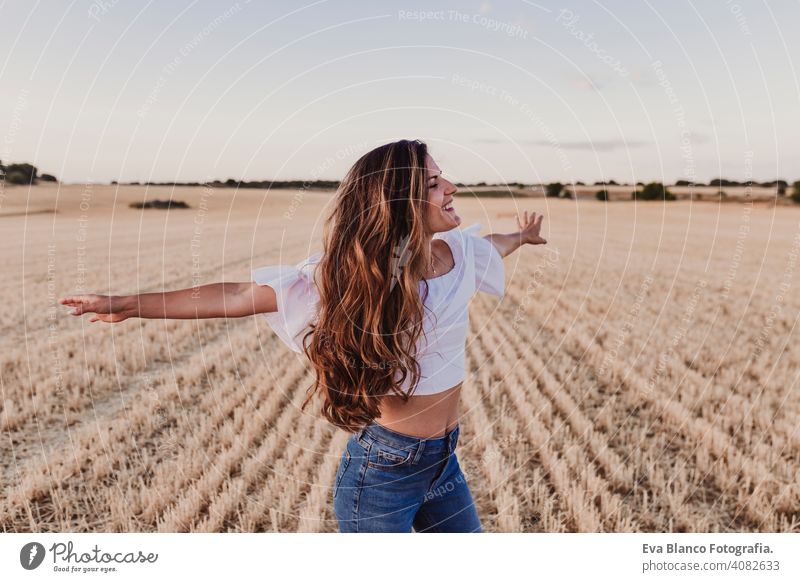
{"points": [[658, 191], [25, 173]]}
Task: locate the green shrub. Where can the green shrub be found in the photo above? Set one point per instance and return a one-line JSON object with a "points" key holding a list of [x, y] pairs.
{"points": [[17, 178], [602, 195], [164, 204], [27, 170], [553, 190], [654, 191], [796, 192]]}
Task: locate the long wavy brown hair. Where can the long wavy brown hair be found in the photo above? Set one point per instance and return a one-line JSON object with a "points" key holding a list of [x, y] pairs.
{"points": [[363, 345]]}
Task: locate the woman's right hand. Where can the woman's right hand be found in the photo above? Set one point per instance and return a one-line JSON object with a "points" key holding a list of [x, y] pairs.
{"points": [[108, 308]]}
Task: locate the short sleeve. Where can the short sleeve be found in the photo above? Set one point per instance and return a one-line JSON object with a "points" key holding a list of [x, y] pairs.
{"points": [[490, 274], [297, 295]]}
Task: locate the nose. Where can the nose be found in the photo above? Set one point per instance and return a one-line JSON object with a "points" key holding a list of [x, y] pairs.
{"points": [[452, 187]]}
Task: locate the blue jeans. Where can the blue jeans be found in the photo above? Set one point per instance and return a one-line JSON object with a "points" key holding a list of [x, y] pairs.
{"points": [[390, 482]]}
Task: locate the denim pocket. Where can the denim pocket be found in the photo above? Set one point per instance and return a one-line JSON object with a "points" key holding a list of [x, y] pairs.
{"points": [[385, 457], [342, 468]]}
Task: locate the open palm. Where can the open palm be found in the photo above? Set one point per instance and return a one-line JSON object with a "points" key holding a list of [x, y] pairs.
{"points": [[530, 227], [105, 307]]}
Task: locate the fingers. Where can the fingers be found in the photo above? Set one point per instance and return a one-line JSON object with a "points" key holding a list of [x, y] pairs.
{"points": [[524, 223], [536, 219], [80, 303], [533, 219], [72, 300]]}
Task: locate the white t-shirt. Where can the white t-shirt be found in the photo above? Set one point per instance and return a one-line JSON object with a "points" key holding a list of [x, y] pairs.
{"points": [[478, 266]]}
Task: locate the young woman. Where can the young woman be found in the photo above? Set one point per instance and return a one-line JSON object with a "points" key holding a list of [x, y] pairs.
{"points": [[382, 315]]}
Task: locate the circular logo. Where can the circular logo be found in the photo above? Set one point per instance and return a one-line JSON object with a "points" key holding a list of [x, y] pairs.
{"points": [[31, 555]]}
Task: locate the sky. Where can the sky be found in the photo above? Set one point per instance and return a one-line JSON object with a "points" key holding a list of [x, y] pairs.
{"points": [[511, 91]]}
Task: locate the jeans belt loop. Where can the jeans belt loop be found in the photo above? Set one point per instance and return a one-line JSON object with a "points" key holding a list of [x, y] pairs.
{"points": [[420, 446]]}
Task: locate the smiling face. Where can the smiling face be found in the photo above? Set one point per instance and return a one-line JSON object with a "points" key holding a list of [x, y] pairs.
{"points": [[441, 214]]}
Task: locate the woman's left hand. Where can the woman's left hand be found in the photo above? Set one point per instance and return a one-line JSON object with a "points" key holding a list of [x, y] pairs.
{"points": [[530, 227]]}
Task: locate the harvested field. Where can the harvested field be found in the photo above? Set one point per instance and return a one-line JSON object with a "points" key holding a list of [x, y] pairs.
{"points": [[639, 375]]}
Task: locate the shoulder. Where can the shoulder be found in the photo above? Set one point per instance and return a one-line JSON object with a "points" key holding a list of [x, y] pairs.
{"points": [[462, 237], [460, 233], [286, 275], [457, 235], [309, 265]]}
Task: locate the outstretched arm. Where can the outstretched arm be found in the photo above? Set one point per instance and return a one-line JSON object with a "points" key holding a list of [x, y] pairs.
{"points": [[203, 302], [528, 234]]}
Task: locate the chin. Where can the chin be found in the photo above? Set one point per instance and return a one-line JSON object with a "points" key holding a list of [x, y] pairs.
{"points": [[444, 223]]}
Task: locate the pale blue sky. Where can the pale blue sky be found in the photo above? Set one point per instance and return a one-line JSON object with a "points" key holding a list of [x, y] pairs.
{"points": [[501, 91]]}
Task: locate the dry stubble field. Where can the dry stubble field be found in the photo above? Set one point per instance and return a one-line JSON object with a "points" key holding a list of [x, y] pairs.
{"points": [[639, 375]]}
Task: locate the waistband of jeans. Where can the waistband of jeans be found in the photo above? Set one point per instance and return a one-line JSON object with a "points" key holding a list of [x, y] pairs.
{"points": [[404, 441]]}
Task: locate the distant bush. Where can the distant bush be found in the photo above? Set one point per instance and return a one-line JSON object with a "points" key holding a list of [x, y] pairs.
{"points": [[723, 182], [654, 191], [601, 195], [781, 190], [779, 183], [23, 174], [159, 204], [553, 190], [27, 170], [796, 192], [17, 178]]}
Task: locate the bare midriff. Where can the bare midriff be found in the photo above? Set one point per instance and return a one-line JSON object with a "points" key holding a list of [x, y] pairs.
{"points": [[427, 416]]}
